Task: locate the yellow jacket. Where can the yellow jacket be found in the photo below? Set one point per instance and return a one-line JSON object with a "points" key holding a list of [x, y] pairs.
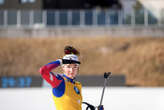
{"points": [[71, 99]]}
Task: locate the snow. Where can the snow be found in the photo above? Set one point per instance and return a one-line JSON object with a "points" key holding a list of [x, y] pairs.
{"points": [[115, 98]]}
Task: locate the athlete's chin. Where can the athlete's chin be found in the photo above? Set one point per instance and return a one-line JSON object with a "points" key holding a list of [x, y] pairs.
{"points": [[72, 75]]}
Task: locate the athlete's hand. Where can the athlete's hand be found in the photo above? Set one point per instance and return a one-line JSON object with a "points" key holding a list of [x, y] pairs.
{"points": [[100, 107]]}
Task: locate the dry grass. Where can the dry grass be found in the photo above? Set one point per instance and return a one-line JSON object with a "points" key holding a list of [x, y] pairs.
{"points": [[140, 59]]}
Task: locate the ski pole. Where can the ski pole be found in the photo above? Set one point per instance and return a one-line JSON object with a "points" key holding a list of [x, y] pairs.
{"points": [[106, 76]]}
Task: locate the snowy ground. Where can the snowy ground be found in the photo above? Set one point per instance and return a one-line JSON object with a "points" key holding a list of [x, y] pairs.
{"points": [[115, 98]]}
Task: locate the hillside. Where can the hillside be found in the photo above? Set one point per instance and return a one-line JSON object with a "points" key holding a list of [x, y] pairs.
{"points": [[140, 59]]}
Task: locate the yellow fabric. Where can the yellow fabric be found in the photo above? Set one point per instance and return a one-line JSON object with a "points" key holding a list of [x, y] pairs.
{"points": [[70, 99]]}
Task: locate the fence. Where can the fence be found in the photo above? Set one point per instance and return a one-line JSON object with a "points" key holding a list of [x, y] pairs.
{"points": [[52, 18]]}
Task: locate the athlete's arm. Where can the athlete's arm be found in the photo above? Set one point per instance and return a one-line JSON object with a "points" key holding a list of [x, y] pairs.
{"points": [[46, 73]]}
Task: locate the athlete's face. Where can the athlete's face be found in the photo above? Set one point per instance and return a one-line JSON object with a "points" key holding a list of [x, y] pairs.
{"points": [[71, 70]]}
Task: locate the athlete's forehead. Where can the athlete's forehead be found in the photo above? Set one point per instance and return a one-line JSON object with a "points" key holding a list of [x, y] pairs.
{"points": [[71, 65]]}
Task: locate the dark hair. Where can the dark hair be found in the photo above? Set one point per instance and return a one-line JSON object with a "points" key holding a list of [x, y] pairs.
{"points": [[71, 50]]}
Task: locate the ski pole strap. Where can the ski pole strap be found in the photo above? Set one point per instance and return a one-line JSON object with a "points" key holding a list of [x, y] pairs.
{"points": [[89, 106]]}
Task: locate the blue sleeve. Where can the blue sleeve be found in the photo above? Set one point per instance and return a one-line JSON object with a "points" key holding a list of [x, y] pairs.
{"points": [[59, 91]]}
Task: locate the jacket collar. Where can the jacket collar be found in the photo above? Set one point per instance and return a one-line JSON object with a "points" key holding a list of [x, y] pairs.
{"points": [[69, 79]]}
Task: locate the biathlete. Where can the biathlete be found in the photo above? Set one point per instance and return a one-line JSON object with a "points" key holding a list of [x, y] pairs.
{"points": [[65, 89]]}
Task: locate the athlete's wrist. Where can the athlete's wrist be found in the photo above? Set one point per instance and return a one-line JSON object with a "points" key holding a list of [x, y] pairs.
{"points": [[61, 62]]}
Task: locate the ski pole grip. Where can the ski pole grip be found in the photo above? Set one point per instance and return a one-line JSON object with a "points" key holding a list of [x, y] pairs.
{"points": [[107, 74]]}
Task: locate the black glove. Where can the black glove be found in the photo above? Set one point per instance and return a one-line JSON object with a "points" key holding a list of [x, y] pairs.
{"points": [[89, 106]]}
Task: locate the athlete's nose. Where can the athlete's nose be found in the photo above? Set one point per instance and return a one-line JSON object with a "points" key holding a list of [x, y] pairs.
{"points": [[71, 69]]}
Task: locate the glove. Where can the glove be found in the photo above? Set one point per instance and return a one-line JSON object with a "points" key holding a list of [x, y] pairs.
{"points": [[100, 107]]}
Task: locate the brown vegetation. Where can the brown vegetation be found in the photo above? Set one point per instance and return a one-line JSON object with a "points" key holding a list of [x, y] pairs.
{"points": [[140, 59]]}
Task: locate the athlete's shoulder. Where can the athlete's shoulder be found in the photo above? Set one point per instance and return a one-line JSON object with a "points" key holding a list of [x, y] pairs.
{"points": [[59, 76]]}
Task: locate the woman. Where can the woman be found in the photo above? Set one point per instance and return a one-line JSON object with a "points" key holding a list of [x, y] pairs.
{"points": [[66, 91]]}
